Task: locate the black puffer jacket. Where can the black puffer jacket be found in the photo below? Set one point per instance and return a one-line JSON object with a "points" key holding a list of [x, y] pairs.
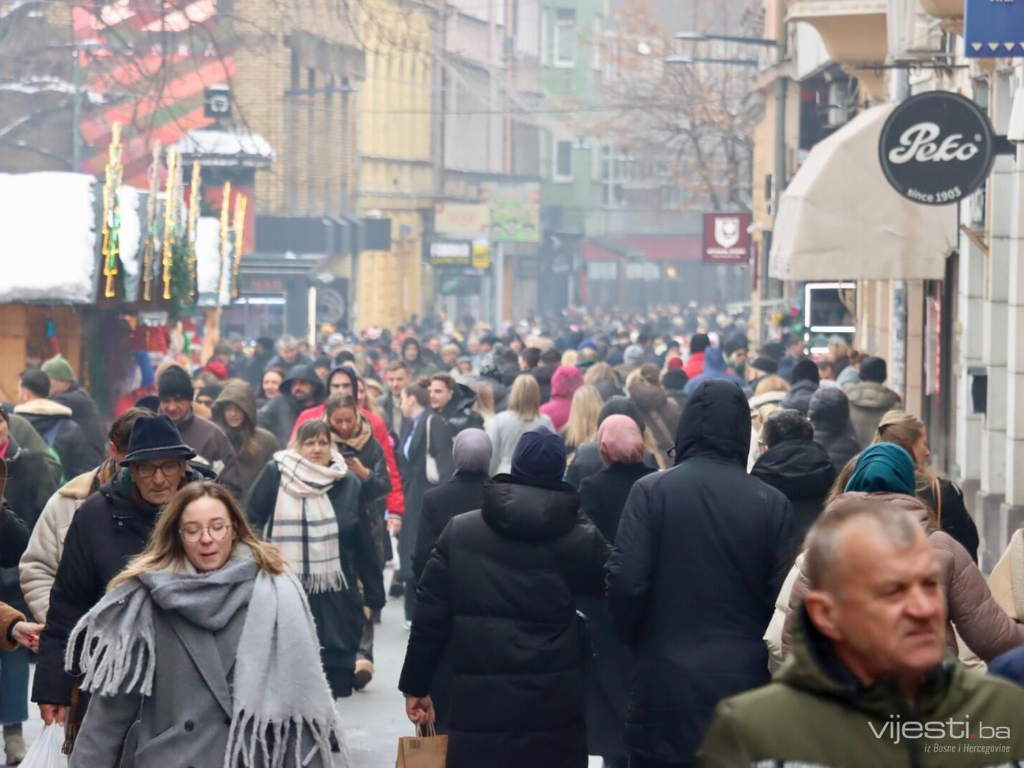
{"points": [[108, 530], [830, 414], [708, 524], [799, 396], [543, 374], [499, 589], [459, 412], [802, 471], [83, 411], [279, 415]]}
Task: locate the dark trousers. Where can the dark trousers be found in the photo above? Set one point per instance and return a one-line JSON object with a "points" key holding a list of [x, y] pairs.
{"points": [[639, 761]]}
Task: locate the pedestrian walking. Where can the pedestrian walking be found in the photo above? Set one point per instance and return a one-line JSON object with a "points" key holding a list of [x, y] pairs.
{"points": [[661, 414], [288, 354], [582, 424], [492, 375], [870, 400], [65, 390], [310, 505], [603, 378], [942, 495], [412, 356], [471, 454], [796, 466], [564, 383], [588, 460], [523, 415], [550, 359], [270, 385], [714, 369], [398, 378], [706, 521], [796, 350], [454, 403], [860, 654], [204, 649], [111, 527], [39, 564], [211, 445], [300, 390], [425, 458], [674, 380], [699, 345], [499, 590], [804, 383], [54, 424], [829, 412], [609, 673], [234, 412]]}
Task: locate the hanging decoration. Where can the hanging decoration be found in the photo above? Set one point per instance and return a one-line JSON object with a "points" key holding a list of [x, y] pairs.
{"points": [[195, 195], [225, 241], [240, 203], [170, 220], [112, 213], [152, 224]]}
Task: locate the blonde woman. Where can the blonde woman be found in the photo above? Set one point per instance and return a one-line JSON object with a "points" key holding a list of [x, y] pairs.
{"points": [[582, 425], [484, 404], [939, 493], [523, 415], [601, 376], [204, 649]]}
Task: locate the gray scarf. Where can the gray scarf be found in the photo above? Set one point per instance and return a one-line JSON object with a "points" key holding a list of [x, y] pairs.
{"points": [[279, 689]]}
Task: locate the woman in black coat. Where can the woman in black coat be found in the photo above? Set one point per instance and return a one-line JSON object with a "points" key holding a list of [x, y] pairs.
{"points": [[499, 589], [602, 499], [413, 452], [463, 493], [830, 414], [587, 460], [286, 507]]}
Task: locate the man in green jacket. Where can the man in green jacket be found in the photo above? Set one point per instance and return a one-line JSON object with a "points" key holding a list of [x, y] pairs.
{"points": [[866, 683]]}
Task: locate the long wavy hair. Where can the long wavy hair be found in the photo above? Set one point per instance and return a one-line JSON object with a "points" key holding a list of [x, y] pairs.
{"points": [[583, 413], [166, 550]]}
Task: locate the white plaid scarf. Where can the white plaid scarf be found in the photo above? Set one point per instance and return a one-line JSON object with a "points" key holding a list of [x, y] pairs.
{"points": [[305, 528]]}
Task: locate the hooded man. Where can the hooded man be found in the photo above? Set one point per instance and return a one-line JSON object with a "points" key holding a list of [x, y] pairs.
{"points": [[413, 357], [109, 529], [706, 521], [499, 590], [830, 414], [235, 413], [64, 389], [805, 384], [714, 367], [300, 390], [55, 425], [870, 400], [207, 440]]}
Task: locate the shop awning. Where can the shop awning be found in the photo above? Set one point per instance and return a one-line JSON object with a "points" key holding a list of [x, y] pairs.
{"points": [[840, 219]]}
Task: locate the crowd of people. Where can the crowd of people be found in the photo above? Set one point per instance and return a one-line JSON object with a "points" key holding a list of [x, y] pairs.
{"points": [[636, 538]]}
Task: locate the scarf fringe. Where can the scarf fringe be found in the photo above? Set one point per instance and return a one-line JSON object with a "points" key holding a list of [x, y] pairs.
{"points": [[107, 661], [250, 740], [325, 582]]}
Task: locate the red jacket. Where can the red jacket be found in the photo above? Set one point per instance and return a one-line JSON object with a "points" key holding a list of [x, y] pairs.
{"points": [[694, 366], [395, 500]]}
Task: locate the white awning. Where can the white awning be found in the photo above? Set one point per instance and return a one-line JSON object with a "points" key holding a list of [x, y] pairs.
{"points": [[840, 219]]}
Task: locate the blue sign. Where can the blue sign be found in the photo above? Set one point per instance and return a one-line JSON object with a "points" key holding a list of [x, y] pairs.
{"points": [[994, 29]]}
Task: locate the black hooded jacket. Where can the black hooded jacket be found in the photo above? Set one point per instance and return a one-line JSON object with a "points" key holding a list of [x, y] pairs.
{"points": [[459, 412], [420, 366], [701, 553], [109, 529], [543, 373], [830, 414], [279, 415], [83, 411], [802, 471], [499, 590]]}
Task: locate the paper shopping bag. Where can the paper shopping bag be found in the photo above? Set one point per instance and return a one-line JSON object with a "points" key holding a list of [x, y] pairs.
{"points": [[424, 750]]}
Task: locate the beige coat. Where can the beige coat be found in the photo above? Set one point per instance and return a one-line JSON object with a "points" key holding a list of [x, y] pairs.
{"points": [[979, 620], [1007, 579], [46, 545]]}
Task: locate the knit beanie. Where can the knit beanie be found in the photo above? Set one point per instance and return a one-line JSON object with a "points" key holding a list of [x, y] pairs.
{"points": [[765, 365], [58, 368], [874, 369], [634, 355], [539, 457], [175, 383], [806, 370]]}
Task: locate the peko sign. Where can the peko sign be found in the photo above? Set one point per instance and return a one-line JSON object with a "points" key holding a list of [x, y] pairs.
{"points": [[726, 238], [936, 148]]}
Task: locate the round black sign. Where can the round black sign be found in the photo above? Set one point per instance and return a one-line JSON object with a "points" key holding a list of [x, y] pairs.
{"points": [[936, 148]]}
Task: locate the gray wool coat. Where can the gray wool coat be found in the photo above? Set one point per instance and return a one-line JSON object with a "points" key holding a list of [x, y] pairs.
{"points": [[185, 722]]}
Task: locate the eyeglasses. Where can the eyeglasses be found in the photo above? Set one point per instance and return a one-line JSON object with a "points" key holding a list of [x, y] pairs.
{"points": [[193, 533], [167, 469]]}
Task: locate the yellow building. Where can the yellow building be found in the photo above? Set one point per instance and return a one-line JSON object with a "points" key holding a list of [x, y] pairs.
{"points": [[395, 143]]}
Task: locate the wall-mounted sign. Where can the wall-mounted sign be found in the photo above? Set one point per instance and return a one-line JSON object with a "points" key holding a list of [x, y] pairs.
{"points": [[456, 219], [994, 29], [726, 238], [450, 253], [217, 102], [481, 254], [936, 148], [515, 211]]}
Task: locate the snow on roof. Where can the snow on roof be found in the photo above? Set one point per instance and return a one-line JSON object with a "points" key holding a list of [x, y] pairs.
{"points": [[226, 147], [47, 84], [47, 237], [131, 229], [208, 264]]}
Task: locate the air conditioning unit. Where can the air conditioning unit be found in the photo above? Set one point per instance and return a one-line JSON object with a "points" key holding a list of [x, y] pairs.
{"points": [[913, 34]]}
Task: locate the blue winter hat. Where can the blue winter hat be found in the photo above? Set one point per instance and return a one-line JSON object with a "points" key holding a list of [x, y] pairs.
{"points": [[539, 457], [883, 468], [588, 344]]}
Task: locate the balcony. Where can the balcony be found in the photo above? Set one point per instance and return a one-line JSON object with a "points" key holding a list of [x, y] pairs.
{"points": [[950, 11], [854, 32]]}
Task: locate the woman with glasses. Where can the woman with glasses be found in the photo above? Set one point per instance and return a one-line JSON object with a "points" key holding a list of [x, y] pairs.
{"points": [[203, 651], [309, 503]]}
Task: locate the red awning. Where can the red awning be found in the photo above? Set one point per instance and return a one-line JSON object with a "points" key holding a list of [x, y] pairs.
{"points": [[649, 247]]}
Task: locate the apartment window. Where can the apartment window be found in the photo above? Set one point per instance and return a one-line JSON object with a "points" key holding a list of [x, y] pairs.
{"points": [[596, 44], [563, 161], [565, 38]]}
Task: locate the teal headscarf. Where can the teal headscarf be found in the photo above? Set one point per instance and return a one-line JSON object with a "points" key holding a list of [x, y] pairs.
{"points": [[883, 468]]}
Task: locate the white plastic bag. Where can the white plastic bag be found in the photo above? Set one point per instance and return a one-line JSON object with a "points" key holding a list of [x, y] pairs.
{"points": [[45, 751]]}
